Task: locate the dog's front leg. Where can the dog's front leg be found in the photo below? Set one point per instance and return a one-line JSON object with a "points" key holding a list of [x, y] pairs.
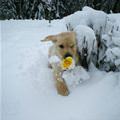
{"points": [[61, 86]]}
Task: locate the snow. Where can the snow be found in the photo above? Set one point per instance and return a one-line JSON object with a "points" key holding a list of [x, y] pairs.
{"points": [[28, 91], [54, 59], [97, 19], [114, 17], [86, 34], [113, 55], [88, 17], [111, 41], [79, 17], [75, 77]]}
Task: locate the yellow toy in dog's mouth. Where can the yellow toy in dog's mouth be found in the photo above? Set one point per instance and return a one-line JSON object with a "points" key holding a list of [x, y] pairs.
{"points": [[67, 63]]}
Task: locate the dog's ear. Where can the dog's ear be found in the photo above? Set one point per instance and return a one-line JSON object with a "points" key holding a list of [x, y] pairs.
{"points": [[52, 38]]}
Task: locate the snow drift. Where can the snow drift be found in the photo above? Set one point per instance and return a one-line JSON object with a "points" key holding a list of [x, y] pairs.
{"points": [[28, 90]]}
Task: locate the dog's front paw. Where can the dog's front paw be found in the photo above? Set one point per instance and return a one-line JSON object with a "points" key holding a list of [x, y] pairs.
{"points": [[62, 88]]}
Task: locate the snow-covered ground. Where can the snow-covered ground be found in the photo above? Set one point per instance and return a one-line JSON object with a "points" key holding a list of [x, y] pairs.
{"points": [[28, 91]]}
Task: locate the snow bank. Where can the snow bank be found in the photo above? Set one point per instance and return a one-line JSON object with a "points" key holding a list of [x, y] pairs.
{"points": [[28, 90]]}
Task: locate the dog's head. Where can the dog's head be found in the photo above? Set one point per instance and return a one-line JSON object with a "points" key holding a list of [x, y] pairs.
{"points": [[65, 44]]}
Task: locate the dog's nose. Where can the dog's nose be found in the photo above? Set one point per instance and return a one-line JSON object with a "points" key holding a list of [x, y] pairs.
{"points": [[67, 55]]}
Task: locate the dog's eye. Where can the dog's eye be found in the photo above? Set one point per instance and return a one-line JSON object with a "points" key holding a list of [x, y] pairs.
{"points": [[61, 46]]}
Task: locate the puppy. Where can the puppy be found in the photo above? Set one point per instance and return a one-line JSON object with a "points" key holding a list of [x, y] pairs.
{"points": [[64, 45]]}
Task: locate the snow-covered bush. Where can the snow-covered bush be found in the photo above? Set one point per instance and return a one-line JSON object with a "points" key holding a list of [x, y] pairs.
{"points": [[97, 19], [73, 20], [88, 17], [107, 31], [87, 44], [94, 19], [110, 59]]}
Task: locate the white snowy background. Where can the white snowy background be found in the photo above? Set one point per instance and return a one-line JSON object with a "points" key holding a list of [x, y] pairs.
{"points": [[28, 91]]}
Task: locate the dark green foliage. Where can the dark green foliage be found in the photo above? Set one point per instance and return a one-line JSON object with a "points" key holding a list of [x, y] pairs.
{"points": [[7, 9], [39, 9], [107, 5]]}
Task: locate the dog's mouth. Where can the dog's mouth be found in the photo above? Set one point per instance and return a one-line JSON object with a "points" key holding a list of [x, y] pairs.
{"points": [[67, 55]]}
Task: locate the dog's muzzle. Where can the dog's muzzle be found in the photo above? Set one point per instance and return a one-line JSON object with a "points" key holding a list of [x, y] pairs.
{"points": [[67, 55]]}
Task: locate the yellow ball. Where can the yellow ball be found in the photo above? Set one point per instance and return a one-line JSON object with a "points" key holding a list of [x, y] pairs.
{"points": [[66, 63]]}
